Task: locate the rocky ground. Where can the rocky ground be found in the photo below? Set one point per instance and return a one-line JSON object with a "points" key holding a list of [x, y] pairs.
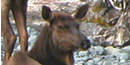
{"points": [[102, 35]]}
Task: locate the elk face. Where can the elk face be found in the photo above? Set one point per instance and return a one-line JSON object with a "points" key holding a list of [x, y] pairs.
{"points": [[66, 35]]}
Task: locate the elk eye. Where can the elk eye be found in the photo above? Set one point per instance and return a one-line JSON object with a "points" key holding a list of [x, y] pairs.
{"points": [[61, 27]]}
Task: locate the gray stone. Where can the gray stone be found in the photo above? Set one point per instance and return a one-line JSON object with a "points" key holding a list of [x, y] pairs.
{"points": [[124, 57], [29, 30], [17, 42], [94, 41], [90, 64], [2, 44], [32, 39], [126, 48], [107, 62], [117, 55], [15, 30], [100, 63], [32, 31], [116, 63], [90, 61], [17, 48], [84, 58], [79, 63], [111, 51], [83, 53], [99, 49], [96, 60]]}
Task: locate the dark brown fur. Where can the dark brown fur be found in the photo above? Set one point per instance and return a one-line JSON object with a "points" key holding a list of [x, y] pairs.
{"points": [[21, 58], [56, 41], [18, 8]]}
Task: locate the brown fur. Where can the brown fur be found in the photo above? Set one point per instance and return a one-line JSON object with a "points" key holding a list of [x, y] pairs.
{"points": [[18, 8], [21, 58], [56, 41]]}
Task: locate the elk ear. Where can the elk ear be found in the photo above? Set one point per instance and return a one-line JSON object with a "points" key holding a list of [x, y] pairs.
{"points": [[47, 13], [81, 11]]}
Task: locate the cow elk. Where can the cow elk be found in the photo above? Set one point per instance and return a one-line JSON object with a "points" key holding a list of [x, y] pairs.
{"points": [[57, 40]]}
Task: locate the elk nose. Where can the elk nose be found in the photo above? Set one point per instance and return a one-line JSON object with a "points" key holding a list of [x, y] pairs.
{"points": [[85, 44]]}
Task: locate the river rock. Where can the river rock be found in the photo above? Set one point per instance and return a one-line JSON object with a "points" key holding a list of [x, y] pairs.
{"points": [[111, 50], [108, 62], [96, 60], [124, 57]]}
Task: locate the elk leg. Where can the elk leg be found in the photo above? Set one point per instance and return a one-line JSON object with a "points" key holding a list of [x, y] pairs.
{"points": [[19, 12], [7, 33]]}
